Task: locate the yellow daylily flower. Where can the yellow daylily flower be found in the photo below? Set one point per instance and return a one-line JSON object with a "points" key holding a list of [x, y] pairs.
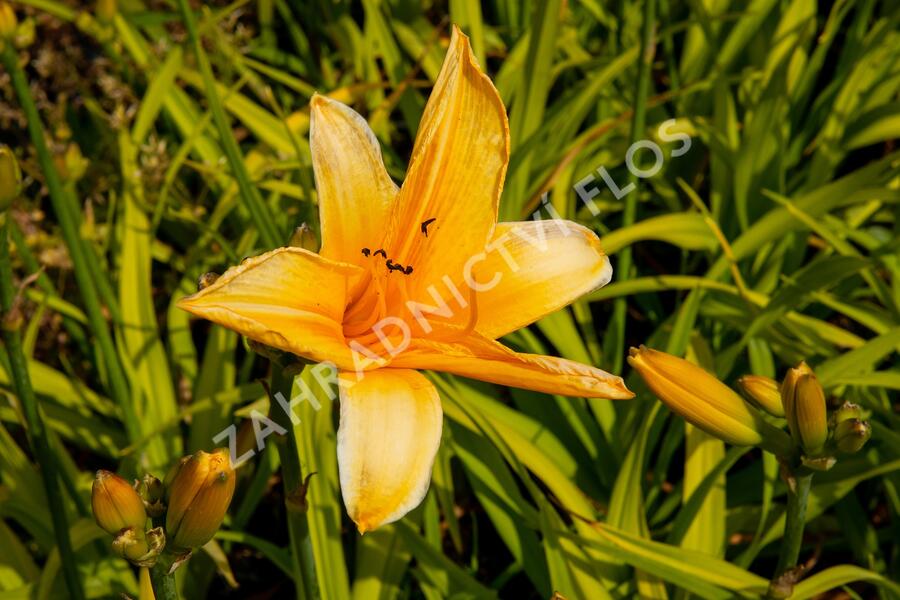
{"points": [[418, 277]]}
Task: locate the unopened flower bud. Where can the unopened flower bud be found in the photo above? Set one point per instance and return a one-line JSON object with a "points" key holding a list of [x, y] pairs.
{"points": [[116, 505], [851, 435], [140, 547], [72, 165], [106, 10], [198, 498], [763, 392], [8, 22], [804, 408], [151, 490], [846, 411], [706, 402], [304, 237], [788, 383], [10, 176], [131, 544]]}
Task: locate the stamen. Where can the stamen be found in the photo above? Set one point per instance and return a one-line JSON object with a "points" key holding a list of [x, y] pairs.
{"points": [[408, 270], [366, 251], [380, 251], [426, 223]]}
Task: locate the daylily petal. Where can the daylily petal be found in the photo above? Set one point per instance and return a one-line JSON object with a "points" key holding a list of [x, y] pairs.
{"points": [[533, 268], [354, 189], [288, 298], [389, 434], [480, 358], [455, 173]]}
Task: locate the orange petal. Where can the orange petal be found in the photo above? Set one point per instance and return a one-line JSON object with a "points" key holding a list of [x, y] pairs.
{"points": [[355, 191], [480, 358], [455, 174], [389, 434], [533, 268], [288, 298]]}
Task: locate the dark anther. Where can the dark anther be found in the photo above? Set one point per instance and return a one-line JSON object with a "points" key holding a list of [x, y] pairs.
{"points": [[408, 270], [380, 251], [366, 251], [426, 223], [392, 266]]}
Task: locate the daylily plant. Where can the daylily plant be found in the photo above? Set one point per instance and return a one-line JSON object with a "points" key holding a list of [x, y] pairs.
{"points": [[418, 277]]}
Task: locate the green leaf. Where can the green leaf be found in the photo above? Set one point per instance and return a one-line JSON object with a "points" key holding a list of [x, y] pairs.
{"points": [[834, 577]]}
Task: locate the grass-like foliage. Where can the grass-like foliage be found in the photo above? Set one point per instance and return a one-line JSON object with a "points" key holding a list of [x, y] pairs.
{"points": [[154, 149]]}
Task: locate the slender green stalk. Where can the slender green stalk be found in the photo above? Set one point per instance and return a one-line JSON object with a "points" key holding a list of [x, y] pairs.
{"points": [[86, 284], [259, 212], [38, 432], [162, 579], [294, 492], [795, 521], [638, 123]]}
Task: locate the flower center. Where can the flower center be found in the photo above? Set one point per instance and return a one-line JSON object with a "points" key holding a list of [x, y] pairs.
{"points": [[382, 306], [384, 279]]}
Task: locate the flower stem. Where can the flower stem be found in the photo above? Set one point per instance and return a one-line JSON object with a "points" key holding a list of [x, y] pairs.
{"points": [[294, 491], [162, 579], [40, 439], [795, 521]]}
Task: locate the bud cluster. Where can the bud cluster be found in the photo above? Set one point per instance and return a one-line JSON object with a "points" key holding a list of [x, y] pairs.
{"points": [[704, 401], [184, 512], [800, 399]]}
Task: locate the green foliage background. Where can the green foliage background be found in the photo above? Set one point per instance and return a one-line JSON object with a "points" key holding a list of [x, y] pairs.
{"points": [[169, 170]]}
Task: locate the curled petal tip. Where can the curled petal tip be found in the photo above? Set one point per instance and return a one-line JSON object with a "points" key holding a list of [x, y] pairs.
{"points": [[624, 394], [317, 100]]}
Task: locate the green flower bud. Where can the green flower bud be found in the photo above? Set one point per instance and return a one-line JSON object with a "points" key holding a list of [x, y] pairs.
{"points": [[804, 408], [198, 497], [850, 435], [72, 165], [116, 505], [139, 547], [10, 176], [131, 544], [763, 392], [151, 491], [847, 411]]}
